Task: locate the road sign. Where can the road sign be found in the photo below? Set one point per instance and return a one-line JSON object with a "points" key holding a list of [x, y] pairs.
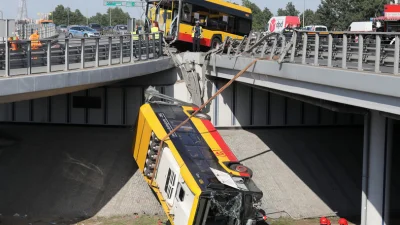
{"points": [[114, 3], [130, 4]]}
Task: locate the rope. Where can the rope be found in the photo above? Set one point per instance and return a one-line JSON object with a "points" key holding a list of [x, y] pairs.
{"points": [[199, 109]]}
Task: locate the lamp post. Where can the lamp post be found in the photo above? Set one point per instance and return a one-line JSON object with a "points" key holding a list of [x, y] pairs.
{"points": [[304, 12], [68, 15]]}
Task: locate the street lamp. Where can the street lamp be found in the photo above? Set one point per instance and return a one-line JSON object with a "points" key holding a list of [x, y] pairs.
{"points": [[68, 16], [304, 12]]}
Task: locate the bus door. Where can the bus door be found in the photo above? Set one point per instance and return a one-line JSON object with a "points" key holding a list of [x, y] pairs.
{"points": [[167, 176], [183, 205]]}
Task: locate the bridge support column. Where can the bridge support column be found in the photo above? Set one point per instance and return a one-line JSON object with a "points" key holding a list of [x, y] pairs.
{"points": [[376, 180]]}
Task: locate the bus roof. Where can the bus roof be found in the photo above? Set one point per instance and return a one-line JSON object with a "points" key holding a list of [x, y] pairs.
{"points": [[193, 148], [231, 5], [228, 7]]}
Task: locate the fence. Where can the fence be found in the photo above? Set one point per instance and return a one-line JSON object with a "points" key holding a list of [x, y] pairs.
{"points": [[377, 52], [45, 30], [78, 53]]}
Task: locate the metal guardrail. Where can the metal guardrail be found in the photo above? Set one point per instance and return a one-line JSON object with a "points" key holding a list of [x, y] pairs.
{"points": [[367, 51], [80, 50], [44, 30]]}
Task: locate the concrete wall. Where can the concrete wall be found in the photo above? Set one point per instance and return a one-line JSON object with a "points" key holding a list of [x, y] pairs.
{"points": [[239, 105], [242, 105]]}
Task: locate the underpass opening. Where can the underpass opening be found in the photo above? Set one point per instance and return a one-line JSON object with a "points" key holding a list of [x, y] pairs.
{"points": [[308, 160], [66, 174]]}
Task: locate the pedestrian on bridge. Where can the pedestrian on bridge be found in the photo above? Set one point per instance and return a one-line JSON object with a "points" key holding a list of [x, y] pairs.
{"points": [[35, 43], [197, 33]]}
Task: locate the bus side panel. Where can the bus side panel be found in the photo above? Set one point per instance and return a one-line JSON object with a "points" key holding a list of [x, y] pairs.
{"points": [[143, 134], [185, 34], [144, 146], [138, 133], [195, 209]]}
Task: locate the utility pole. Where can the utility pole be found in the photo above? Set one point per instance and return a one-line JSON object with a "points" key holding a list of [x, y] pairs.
{"points": [[87, 17], [110, 17], [304, 12], [68, 15], [1, 14]]}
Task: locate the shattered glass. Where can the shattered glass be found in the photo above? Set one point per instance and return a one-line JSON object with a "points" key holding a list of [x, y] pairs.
{"points": [[227, 204], [236, 206]]}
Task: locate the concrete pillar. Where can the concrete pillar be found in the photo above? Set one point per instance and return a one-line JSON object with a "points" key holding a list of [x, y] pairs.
{"points": [[379, 143]]}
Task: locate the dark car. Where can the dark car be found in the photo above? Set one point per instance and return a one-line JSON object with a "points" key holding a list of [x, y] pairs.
{"points": [[96, 27]]}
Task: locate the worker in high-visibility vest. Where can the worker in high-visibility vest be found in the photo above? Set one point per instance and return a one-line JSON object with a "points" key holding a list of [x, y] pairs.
{"points": [[197, 33], [154, 29], [34, 38], [13, 44], [135, 34]]}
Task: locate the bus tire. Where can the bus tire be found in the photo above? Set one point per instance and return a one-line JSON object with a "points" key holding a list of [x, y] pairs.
{"points": [[215, 41]]}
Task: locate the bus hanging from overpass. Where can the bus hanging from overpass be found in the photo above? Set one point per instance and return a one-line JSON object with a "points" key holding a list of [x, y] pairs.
{"points": [[219, 19]]}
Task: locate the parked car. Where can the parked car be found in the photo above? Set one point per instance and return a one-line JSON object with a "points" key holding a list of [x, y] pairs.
{"points": [[120, 29], [96, 27], [62, 28], [82, 31]]}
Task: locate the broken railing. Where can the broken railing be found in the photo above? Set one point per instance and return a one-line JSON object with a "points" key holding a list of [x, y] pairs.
{"points": [[366, 51]]}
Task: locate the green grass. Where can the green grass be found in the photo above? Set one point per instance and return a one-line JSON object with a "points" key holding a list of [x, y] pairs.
{"points": [[125, 220]]}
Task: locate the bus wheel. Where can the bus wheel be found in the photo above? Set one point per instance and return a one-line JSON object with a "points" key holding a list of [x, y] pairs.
{"points": [[215, 42]]}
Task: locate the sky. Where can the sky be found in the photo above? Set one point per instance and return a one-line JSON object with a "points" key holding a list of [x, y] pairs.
{"points": [[91, 7]]}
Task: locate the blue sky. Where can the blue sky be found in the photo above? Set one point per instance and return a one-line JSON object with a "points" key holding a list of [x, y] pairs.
{"points": [[9, 7]]}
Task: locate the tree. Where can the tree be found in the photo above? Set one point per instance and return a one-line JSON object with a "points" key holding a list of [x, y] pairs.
{"points": [[118, 16], [62, 15], [339, 14], [290, 10], [309, 18], [260, 18], [77, 18]]}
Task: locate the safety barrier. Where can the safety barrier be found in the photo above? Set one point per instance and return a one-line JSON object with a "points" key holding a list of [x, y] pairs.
{"points": [[80, 52], [44, 30], [366, 51]]}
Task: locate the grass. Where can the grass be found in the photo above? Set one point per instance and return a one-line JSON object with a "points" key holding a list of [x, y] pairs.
{"points": [[124, 220]]}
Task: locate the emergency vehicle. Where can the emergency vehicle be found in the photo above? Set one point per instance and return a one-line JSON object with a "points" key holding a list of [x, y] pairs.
{"points": [[390, 21], [196, 177], [278, 23]]}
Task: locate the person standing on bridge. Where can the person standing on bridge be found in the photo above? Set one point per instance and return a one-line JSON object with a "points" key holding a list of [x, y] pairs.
{"points": [[197, 33], [35, 43]]}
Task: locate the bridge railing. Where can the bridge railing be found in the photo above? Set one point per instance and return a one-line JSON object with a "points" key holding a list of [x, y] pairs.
{"points": [[366, 51], [77, 53]]}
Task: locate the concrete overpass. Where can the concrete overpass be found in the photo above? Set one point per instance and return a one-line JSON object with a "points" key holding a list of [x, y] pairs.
{"points": [[270, 95]]}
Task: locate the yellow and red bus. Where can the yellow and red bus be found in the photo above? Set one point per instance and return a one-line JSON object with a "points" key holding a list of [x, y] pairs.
{"points": [[219, 19], [195, 176]]}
